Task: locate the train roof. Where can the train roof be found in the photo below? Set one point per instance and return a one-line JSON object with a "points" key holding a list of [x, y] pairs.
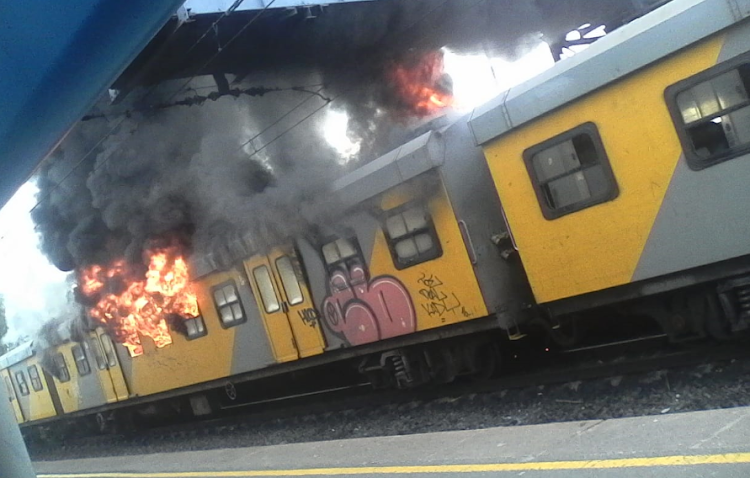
{"points": [[645, 40], [393, 168], [18, 354]]}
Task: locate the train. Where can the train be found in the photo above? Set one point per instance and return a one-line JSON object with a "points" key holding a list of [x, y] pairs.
{"points": [[615, 179]]}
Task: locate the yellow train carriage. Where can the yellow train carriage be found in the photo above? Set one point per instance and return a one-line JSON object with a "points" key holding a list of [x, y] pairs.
{"points": [[621, 170], [70, 377], [415, 274], [84, 374], [414, 257], [24, 377]]}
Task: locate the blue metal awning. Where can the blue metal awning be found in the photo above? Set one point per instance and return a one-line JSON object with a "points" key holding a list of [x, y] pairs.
{"points": [[56, 59]]}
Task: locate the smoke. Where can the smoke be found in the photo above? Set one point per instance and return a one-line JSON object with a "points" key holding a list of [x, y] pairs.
{"points": [[237, 171], [180, 172], [58, 307], [353, 47]]}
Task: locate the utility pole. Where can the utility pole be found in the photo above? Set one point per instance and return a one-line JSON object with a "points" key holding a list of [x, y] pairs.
{"points": [[14, 458]]}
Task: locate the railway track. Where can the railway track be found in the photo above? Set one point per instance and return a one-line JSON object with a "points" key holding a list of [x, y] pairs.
{"points": [[321, 407]]}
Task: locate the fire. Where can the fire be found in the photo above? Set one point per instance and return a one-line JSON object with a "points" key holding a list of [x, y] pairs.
{"points": [[131, 306], [421, 85]]}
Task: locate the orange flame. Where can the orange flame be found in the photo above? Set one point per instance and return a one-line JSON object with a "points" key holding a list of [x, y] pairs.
{"points": [[139, 307], [419, 85]]}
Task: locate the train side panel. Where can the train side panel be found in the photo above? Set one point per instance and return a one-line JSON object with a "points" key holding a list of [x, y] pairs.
{"points": [[705, 211], [479, 213], [401, 269], [599, 247], [77, 384], [33, 393], [444, 289], [235, 341]]}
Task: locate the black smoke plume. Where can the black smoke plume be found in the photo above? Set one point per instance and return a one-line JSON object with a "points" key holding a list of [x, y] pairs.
{"points": [[178, 172], [188, 170]]}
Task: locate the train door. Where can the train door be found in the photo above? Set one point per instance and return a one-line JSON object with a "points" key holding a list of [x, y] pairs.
{"points": [[277, 324], [284, 302], [94, 348], [12, 396], [114, 369], [296, 302]]}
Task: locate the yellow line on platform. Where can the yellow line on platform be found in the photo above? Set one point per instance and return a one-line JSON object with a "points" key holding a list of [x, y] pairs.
{"points": [[681, 460]]}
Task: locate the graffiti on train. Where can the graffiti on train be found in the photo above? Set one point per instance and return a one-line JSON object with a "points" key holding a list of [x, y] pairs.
{"points": [[308, 316], [361, 309], [436, 300]]}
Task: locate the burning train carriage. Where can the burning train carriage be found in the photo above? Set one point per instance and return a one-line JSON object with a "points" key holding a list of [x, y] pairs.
{"points": [[402, 261], [421, 258], [420, 253]]}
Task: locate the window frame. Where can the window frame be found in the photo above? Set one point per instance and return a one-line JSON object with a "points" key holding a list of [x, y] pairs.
{"points": [[695, 162], [98, 352], [294, 275], [234, 323], [279, 299], [36, 381], [23, 386], [61, 365], [342, 263], [197, 318], [613, 191], [76, 361], [108, 346], [437, 250]]}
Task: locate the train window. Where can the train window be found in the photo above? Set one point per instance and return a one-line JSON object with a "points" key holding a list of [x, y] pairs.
{"points": [[23, 388], [195, 327], [711, 112], [101, 362], [82, 363], [9, 386], [109, 350], [338, 250], [341, 252], [571, 172], [411, 237], [62, 368], [228, 305], [289, 280], [265, 287], [36, 380]]}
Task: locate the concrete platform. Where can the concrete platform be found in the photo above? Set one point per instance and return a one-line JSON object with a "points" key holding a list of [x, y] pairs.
{"points": [[699, 444]]}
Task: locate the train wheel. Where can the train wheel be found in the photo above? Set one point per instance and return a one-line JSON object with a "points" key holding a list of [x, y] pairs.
{"points": [[487, 362], [231, 391], [104, 423], [717, 324], [567, 333]]}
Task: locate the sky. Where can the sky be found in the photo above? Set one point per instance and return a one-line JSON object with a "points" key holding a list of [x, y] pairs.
{"points": [[34, 290], [26, 276]]}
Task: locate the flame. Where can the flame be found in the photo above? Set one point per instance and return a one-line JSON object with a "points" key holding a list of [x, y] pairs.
{"points": [[420, 85], [132, 307]]}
